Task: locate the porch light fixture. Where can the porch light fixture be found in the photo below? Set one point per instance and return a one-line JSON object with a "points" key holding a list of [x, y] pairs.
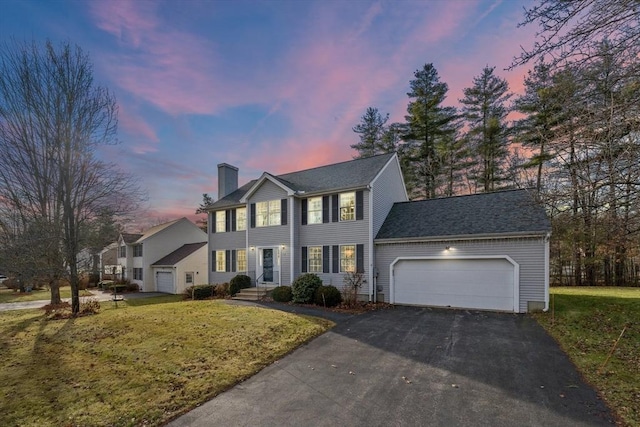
{"points": [[446, 248], [252, 248], [282, 247]]}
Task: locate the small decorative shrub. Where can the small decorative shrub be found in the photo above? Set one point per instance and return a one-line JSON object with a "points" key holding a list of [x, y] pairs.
{"points": [[90, 306], [353, 281], [282, 294], [132, 287], [222, 290], [104, 284], [200, 292], [118, 288], [241, 281], [304, 288], [327, 296]]}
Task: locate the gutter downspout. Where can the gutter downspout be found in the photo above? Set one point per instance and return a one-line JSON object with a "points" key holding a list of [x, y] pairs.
{"points": [[546, 271], [372, 285]]}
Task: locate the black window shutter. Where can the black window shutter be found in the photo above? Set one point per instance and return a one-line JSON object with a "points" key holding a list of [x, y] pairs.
{"points": [[325, 209], [253, 215], [305, 259], [325, 259], [335, 208], [213, 260], [234, 218], [283, 211], [227, 261], [360, 258], [359, 204], [336, 258], [227, 218], [305, 204], [212, 222], [233, 260]]}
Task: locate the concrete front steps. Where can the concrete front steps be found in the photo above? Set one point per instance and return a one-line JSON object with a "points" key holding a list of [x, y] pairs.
{"points": [[254, 293]]}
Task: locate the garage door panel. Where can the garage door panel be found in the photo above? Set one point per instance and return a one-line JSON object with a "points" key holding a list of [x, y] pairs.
{"points": [[465, 283], [164, 282]]}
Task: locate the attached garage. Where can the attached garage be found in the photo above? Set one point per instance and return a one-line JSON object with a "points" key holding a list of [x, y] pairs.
{"points": [[164, 282], [478, 283], [485, 251]]}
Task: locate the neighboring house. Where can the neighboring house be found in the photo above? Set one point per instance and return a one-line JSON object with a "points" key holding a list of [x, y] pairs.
{"points": [[109, 262], [184, 267], [137, 252], [355, 216]]}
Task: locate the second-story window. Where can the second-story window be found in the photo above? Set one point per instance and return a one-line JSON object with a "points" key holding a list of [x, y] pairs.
{"points": [[220, 221], [268, 213], [241, 220], [123, 252], [137, 250], [347, 206], [314, 210]]}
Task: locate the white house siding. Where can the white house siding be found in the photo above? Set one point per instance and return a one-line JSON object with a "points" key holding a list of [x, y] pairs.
{"points": [[387, 189], [336, 233], [529, 253], [163, 243], [195, 263]]}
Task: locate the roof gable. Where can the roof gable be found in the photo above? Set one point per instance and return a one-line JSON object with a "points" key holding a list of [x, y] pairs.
{"points": [[179, 254], [266, 177], [503, 212]]}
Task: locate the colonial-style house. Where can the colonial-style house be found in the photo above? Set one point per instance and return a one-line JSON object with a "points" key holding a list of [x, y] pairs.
{"points": [[487, 251], [137, 254]]}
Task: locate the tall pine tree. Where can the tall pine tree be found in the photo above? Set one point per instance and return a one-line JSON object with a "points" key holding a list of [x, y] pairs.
{"points": [[372, 131]]}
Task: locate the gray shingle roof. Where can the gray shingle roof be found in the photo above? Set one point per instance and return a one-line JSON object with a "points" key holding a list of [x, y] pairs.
{"points": [[179, 254], [130, 238], [335, 177], [513, 211]]}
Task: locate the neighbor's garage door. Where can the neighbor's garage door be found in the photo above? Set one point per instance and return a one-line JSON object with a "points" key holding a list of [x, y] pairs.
{"points": [[486, 284], [164, 281]]}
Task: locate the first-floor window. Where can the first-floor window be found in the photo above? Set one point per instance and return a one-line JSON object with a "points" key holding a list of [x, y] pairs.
{"points": [[220, 261], [315, 259], [347, 258], [188, 278], [137, 274], [241, 260]]}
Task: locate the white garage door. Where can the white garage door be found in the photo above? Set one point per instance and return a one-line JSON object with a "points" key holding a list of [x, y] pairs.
{"points": [[164, 281], [486, 284]]}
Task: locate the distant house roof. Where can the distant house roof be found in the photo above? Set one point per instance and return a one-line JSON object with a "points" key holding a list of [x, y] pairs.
{"points": [[179, 254], [153, 230], [130, 238], [356, 173], [503, 212]]}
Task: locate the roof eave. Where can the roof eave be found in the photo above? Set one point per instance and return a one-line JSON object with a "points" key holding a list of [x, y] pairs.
{"points": [[486, 236], [304, 194], [265, 176]]}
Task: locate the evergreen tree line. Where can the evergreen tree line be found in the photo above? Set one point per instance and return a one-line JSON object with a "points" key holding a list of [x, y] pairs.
{"points": [[575, 144]]}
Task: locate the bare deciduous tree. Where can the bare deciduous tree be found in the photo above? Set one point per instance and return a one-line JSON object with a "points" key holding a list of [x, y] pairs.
{"points": [[52, 118]]}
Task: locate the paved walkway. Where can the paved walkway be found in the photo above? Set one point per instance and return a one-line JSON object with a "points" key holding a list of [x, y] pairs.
{"points": [[97, 295]]}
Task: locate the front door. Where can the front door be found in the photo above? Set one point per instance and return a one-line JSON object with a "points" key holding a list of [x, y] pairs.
{"points": [[267, 265]]}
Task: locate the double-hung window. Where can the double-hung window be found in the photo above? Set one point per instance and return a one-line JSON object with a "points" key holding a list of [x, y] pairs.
{"points": [[188, 278], [241, 220], [314, 210], [347, 206], [123, 252], [221, 217], [241, 260], [221, 261], [314, 254], [137, 250], [137, 274], [347, 258], [268, 213]]}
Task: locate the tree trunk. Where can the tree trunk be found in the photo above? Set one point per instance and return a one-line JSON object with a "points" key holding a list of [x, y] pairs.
{"points": [[54, 287]]}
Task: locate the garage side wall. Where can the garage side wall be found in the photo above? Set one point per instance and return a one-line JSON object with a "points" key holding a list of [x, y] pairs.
{"points": [[529, 253]]}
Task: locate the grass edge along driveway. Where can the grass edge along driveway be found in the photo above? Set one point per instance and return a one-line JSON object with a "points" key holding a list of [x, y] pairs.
{"points": [[136, 365], [587, 322]]}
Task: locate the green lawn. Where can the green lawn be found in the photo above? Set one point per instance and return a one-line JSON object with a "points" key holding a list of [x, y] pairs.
{"points": [[9, 295], [140, 364], [587, 322]]}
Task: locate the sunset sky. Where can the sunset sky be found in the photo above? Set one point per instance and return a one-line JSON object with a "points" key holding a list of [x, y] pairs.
{"points": [[263, 85]]}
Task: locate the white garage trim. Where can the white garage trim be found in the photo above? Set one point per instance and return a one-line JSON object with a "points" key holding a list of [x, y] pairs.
{"points": [[165, 282], [516, 272]]}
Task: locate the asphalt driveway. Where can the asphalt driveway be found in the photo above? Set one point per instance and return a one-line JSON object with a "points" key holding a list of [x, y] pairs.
{"points": [[414, 367]]}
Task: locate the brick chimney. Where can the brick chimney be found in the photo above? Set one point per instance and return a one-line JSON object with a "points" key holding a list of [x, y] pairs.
{"points": [[227, 180]]}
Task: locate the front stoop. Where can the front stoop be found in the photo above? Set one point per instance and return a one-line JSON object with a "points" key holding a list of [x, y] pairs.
{"points": [[253, 294]]}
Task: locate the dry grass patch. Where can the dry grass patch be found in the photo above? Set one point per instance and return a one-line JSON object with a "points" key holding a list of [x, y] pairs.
{"points": [[136, 365], [587, 323], [9, 295]]}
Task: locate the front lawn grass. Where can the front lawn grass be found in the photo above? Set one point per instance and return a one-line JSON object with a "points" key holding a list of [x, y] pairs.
{"points": [[136, 365], [586, 322], [9, 295]]}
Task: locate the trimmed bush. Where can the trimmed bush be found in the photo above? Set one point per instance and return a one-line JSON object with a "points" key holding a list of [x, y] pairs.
{"points": [[304, 288], [327, 296], [200, 292], [241, 281], [281, 294]]}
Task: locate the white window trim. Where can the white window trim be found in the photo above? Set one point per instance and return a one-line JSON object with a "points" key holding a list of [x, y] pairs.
{"points": [[309, 210], [238, 228], [309, 270], [355, 258], [224, 261], [340, 206], [238, 269], [223, 215], [269, 213]]}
